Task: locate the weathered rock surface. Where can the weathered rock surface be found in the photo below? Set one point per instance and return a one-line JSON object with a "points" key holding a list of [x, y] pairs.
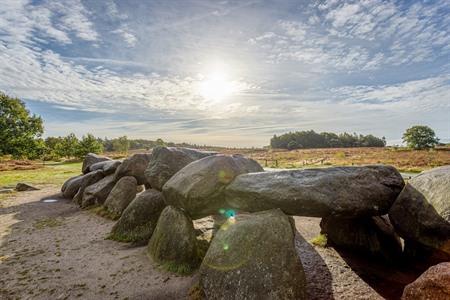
{"points": [[254, 257], [121, 195], [135, 166], [166, 161], [87, 180], [346, 191], [107, 166], [91, 159], [98, 192], [139, 219], [421, 212], [372, 235], [197, 188], [22, 187], [173, 243], [71, 186], [434, 284]]}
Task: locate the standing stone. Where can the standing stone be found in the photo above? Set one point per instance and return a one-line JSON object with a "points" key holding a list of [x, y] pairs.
{"points": [[139, 219], [345, 191], [98, 192], [173, 244], [166, 161], [121, 195], [434, 284], [91, 159], [88, 179], [421, 212], [135, 166], [197, 188], [253, 257], [371, 235]]}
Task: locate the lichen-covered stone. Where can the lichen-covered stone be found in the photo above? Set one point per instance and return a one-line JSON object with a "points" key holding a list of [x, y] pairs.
{"points": [[139, 219], [91, 159], [88, 179], [421, 212], [135, 166], [253, 257], [71, 186], [371, 235], [121, 195], [345, 191], [166, 161], [107, 166], [197, 188], [98, 192], [173, 244]]}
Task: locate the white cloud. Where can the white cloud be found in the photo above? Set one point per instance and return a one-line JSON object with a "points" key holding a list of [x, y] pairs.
{"points": [[429, 94], [126, 34], [361, 35]]}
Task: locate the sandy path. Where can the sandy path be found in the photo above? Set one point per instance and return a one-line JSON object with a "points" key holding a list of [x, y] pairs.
{"points": [[57, 251]]}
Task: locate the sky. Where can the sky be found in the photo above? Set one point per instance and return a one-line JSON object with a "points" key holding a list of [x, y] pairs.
{"points": [[228, 73]]}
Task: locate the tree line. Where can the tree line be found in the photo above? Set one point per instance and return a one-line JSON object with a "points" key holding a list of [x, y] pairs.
{"points": [[21, 137], [311, 139]]}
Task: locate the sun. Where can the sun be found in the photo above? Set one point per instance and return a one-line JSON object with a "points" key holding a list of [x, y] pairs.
{"points": [[217, 84]]}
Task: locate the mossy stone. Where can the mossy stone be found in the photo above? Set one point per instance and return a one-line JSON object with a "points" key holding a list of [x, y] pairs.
{"points": [[173, 244], [139, 219]]}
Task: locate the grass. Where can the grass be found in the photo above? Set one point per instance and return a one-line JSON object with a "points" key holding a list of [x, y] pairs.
{"points": [[320, 240], [51, 173], [104, 212], [47, 222]]}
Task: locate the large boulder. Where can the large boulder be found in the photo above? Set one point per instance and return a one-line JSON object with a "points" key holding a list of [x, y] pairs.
{"points": [[71, 186], [253, 256], [346, 191], [173, 244], [91, 159], [166, 161], [139, 219], [107, 166], [197, 188], [135, 166], [98, 192], [121, 195], [369, 235], [421, 212], [434, 284], [87, 180]]}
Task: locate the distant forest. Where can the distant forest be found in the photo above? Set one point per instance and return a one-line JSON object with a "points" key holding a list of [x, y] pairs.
{"points": [[311, 139]]}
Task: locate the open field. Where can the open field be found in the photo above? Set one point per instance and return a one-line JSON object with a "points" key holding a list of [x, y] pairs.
{"points": [[403, 159], [51, 173]]}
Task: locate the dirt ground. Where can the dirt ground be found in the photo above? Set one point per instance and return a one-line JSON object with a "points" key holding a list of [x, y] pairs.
{"points": [[54, 250]]}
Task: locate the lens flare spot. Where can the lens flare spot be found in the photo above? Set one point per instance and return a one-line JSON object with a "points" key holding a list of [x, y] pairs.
{"points": [[229, 213], [226, 247]]}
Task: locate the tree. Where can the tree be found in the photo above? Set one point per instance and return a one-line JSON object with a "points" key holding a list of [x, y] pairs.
{"points": [[160, 142], [67, 146], [121, 144], [420, 137], [19, 131], [88, 144]]}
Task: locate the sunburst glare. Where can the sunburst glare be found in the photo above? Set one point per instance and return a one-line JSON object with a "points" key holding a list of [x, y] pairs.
{"points": [[217, 84]]}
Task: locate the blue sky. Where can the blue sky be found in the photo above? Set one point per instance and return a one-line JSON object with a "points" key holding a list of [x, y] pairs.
{"points": [[229, 73]]}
